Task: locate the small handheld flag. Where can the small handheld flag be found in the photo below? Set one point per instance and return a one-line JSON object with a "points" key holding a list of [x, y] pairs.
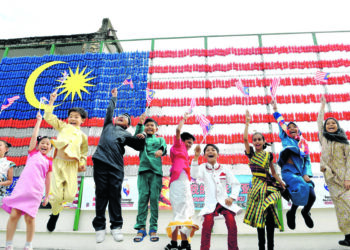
{"points": [[240, 87], [128, 81], [149, 95], [8, 102], [192, 105], [321, 76], [43, 100], [273, 88], [205, 124]]}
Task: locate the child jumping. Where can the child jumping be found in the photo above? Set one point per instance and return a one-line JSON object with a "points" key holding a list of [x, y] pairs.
{"points": [[180, 193], [28, 192], [264, 193], [149, 180], [71, 148], [109, 170], [295, 164], [6, 168], [217, 201], [335, 165]]}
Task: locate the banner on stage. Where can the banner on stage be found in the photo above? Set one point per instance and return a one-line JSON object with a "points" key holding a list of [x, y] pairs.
{"points": [[129, 193], [323, 198]]}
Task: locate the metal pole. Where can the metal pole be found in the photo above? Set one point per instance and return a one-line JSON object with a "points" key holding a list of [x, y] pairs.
{"points": [[206, 73], [279, 202], [319, 59], [101, 46], [52, 50], [6, 52], [77, 211]]}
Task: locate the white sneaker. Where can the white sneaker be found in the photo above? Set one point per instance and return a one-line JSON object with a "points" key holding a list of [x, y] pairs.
{"points": [[27, 248], [9, 248], [100, 236], [117, 234]]}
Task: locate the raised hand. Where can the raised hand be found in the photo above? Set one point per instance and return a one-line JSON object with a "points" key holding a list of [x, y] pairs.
{"points": [[197, 150], [248, 118], [185, 116], [39, 117], [274, 105], [53, 97], [114, 92], [142, 118]]}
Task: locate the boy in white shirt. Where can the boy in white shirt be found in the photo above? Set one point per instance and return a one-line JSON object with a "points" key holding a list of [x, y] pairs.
{"points": [[217, 201]]}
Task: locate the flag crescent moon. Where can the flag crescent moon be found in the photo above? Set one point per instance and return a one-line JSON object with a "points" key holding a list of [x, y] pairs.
{"points": [[29, 88]]}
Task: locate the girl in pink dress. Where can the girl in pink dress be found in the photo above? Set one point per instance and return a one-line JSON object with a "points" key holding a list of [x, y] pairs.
{"points": [[28, 192]]}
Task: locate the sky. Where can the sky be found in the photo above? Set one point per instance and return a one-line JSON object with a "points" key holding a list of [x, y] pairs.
{"points": [[161, 18]]}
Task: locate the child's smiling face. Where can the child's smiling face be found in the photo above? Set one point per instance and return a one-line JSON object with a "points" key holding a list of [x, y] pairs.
{"points": [[188, 143], [293, 130], [211, 154], [44, 146], [3, 149], [331, 126], [75, 119], [151, 128], [258, 142]]}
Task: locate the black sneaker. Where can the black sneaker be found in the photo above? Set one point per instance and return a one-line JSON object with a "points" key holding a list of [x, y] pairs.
{"points": [[170, 247], [307, 218], [290, 219], [344, 242], [187, 247], [51, 224]]}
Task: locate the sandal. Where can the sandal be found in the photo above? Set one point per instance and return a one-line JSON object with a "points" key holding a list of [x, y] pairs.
{"points": [[154, 237], [139, 238]]}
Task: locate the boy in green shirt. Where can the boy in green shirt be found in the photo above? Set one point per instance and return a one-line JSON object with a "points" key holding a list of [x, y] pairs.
{"points": [[149, 180]]}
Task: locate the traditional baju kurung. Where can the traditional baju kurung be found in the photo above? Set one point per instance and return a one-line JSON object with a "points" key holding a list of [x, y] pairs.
{"points": [[335, 158], [149, 180], [72, 144]]}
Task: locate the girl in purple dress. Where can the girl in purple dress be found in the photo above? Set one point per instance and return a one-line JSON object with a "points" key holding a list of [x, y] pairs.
{"points": [[28, 192]]}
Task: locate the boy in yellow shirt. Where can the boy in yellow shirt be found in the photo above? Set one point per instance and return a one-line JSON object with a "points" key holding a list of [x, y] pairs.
{"points": [[71, 148]]}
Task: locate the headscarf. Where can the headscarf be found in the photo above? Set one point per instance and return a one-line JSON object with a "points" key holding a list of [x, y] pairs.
{"points": [[302, 144], [338, 136]]}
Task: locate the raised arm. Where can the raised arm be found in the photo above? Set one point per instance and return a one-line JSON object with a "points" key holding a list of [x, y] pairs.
{"points": [[245, 135], [179, 127], [280, 120], [51, 118], [195, 171], [35, 133], [320, 118], [139, 127], [111, 107]]}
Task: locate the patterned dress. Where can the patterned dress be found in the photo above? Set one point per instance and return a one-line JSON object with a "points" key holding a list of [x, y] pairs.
{"points": [[336, 159], [263, 194], [5, 165]]}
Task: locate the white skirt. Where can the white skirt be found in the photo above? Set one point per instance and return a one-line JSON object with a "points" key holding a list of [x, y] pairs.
{"points": [[181, 198]]}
